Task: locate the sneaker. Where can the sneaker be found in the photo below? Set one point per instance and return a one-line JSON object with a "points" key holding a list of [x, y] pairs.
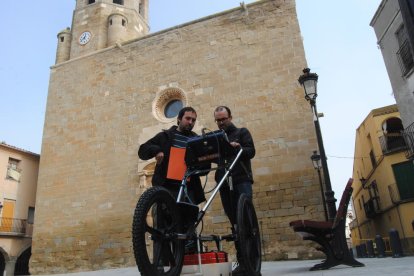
{"points": [[238, 271]]}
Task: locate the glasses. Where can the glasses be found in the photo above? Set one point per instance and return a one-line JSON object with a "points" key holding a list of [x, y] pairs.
{"points": [[221, 120]]}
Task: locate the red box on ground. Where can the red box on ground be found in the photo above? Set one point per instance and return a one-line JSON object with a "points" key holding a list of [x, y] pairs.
{"points": [[206, 258]]}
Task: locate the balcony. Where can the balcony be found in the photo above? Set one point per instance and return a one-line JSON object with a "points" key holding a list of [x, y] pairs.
{"points": [[405, 58], [15, 227], [371, 207], [408, 135], [392, 142]]}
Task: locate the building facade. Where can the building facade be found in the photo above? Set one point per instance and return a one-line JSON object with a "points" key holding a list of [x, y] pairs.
{"points": [[383, 196], [107, 96], [393, 24], [18, 176]]}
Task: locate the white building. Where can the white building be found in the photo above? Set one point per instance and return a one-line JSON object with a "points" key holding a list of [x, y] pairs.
{"points": [[393, 24]]}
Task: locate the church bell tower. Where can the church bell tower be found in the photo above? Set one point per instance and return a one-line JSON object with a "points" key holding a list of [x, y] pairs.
{"points": [[98, 24]]}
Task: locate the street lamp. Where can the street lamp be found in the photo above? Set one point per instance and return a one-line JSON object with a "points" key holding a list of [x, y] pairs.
{"points": [[309, 82], [316, 161]]}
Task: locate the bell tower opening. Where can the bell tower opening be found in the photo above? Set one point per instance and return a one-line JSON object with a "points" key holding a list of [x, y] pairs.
{"points": [[143, 8]]}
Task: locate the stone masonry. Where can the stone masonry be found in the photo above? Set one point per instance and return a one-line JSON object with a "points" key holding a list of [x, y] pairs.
{"points": [[101, 106]]}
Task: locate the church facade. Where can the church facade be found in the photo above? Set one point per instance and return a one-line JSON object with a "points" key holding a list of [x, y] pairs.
{"points": [[111, 89]]}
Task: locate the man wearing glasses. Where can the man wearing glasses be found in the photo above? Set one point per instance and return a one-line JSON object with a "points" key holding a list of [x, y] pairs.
{"points": [[242, 177]]}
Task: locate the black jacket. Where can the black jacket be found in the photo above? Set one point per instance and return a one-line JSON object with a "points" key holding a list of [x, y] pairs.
{"points": [[162, 142], [242, 171]]}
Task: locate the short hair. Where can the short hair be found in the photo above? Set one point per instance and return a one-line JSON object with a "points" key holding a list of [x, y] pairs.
{"points": [[183, 111], [222, 108]]}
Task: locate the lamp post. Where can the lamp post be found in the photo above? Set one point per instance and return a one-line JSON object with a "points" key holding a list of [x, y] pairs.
{"points": [[316, 161], [309, 82]]}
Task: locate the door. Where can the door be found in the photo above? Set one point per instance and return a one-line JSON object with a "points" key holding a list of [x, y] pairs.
{"points": [[7, 215]]}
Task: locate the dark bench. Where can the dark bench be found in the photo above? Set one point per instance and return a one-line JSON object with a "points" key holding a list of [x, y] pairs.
{"points": [[330, 235]]}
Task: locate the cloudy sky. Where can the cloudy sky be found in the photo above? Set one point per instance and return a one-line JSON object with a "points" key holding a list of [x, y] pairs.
{"points": [[339, 44]]}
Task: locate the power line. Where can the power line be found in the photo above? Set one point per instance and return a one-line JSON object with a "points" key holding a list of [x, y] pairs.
{"points": [[348, 157]]}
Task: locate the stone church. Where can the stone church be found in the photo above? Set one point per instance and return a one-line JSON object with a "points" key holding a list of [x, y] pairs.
{"points": [[115, 85]]}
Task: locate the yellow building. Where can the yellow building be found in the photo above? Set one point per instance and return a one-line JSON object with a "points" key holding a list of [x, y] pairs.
{"points": [[383, 196], [18, 182]]}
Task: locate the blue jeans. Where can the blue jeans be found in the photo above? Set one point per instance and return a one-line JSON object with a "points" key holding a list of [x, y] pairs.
{"points": [[230, 203]]}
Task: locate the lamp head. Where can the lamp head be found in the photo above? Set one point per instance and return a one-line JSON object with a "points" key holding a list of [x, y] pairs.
{"points": [[309, 82], [316, 160]]}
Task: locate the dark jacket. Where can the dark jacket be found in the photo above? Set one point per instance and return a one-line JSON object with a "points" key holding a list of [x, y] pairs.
{"points": [[162, 142], [242, 171]]}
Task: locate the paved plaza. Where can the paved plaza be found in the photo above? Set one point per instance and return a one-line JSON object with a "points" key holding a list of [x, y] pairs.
{"points": [[373, 267]]}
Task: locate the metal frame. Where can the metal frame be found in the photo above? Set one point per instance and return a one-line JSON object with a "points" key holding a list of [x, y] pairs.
{"points": [[182, 192]]}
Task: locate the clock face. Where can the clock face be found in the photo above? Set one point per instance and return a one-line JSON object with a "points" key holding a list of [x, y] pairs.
{"points": [[84, 38]]}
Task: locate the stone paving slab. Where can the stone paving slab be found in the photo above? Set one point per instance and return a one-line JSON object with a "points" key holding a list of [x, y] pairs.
{"points": [[373, 267]]}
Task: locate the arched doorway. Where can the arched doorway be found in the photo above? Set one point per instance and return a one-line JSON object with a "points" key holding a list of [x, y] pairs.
{"points": [[22, 263]]}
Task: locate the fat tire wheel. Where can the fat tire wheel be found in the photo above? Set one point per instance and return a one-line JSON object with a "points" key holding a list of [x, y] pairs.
{"points": [[248, 236], [156, 249]]}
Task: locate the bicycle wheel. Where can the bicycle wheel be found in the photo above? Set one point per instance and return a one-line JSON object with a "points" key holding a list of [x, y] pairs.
{"points": [[156, 221], [248, 235]]}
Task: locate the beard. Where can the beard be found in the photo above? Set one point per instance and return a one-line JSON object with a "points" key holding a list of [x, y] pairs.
{"points": [[186, 129]]}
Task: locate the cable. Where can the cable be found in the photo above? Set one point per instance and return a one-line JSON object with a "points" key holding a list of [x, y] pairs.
{"points": [[347, 157]]}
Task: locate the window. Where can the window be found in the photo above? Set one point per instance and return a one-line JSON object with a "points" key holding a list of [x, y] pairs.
{"points": [[140, 11], [62, 39], [404, 55], [13, 163], [123, 22], [30, 215], [373, 160], [371, 153], [119, 2], [91, 1], [168, 103], [172, 108], [13, 171]]}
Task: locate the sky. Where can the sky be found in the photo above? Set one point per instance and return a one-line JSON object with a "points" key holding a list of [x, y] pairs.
{"points": [[340, 47]]}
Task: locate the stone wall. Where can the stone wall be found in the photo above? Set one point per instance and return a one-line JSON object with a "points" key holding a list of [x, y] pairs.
{"points": [[102, 106]]}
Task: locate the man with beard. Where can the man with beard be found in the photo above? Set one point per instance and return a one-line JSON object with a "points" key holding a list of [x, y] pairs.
{"points": [[168, 148], [163, 146]]}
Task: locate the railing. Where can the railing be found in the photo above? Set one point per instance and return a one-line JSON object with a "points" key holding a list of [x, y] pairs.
{"points": [[12, 226], [392, 142], [408, 135], [405, 58]]}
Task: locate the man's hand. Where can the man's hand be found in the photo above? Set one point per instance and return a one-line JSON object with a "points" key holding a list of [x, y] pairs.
{"points": [[159, 157], [234, 144]]}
